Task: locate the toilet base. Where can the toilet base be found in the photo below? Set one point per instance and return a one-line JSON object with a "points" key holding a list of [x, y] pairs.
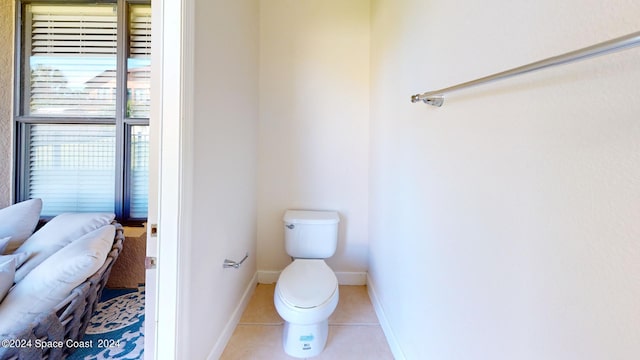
{"points": [[303, 341]]}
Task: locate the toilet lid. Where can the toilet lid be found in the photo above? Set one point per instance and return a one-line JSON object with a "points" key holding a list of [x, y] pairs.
{"points": [[307, 283]]}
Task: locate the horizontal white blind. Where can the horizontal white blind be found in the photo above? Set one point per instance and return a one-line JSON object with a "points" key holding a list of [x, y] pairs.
{"points": [[72, 60], [140, 31], [139, 64], [139, 171], [62, 34], [72, 167]]}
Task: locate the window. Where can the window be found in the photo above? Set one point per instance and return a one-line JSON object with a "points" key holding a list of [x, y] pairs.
{"points": [[83, 95]]}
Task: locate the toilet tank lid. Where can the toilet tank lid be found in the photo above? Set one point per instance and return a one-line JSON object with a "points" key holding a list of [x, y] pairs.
{"points": [[310, 217]]}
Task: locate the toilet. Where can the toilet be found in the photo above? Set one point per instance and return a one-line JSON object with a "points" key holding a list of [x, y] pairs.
{"points": [[306, 292]]}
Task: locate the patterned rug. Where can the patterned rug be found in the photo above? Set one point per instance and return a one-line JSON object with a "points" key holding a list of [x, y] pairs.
{"points": [[116, 329]]}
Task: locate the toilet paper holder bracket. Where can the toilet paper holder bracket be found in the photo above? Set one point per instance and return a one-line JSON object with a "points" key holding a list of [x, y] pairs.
{"points": [[234, 264]]}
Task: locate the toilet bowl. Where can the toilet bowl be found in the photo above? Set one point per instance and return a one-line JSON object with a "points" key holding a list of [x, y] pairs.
{"points": [[306, 295]]}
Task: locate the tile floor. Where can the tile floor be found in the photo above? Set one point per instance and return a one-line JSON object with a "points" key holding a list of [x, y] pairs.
{"points": [[354, 330]]}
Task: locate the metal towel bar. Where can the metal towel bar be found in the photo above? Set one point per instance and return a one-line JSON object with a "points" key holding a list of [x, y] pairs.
{"points": [[436, 97]]}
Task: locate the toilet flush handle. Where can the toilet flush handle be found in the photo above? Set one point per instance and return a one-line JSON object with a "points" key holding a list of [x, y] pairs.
{"points": [[290, 226]]}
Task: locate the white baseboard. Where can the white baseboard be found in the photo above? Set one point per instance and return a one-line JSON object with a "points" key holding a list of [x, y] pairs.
{"points": [[224, 338], [344, 278], [268, 277], [352, 278], [384, 323]]}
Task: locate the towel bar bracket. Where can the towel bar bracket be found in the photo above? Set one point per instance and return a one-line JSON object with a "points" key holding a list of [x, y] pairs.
{"points": [[234, 264], [431, 100]]}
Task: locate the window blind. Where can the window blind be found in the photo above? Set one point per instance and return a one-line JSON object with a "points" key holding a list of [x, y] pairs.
{"points": [[71, 57], [72, 167], [138, 105], [72, 60], [139, 172], [139, 63]]}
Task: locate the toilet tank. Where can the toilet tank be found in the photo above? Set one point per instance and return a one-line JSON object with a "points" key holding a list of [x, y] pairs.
{"points": [[311, 234]]}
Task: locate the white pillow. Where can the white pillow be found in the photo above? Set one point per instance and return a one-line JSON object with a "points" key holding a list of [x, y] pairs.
{"points": [[57, 233], [3, 243], [52, 281], [20, 258], [7, 272], [18, 221]]}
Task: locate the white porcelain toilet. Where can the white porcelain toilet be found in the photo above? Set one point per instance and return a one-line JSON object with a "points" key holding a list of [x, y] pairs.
{"points": [[306, 293]]}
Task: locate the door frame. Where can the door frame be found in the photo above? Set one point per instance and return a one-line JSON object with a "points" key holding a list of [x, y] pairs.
{"points": [[170, 169]]}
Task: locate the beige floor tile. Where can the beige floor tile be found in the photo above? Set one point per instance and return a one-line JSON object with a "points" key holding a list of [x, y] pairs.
{"points": [[256, 342], [354, 330], [355, 342], [354, 307], [261, 309]]}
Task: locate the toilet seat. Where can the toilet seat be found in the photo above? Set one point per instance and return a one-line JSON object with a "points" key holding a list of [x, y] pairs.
{"points": [[307, 283]]}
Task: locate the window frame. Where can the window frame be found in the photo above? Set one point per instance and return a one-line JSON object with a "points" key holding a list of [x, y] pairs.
{"points": [[123, 124]]}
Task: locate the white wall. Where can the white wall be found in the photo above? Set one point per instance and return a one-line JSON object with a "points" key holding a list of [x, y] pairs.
{"points": [[314, 114], [223, 212], [504, 225], [6, 100]]}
